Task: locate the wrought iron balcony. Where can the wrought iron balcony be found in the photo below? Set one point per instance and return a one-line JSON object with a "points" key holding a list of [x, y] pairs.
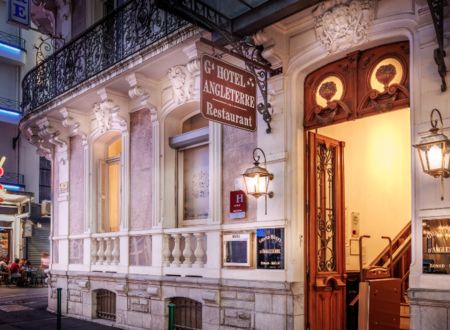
{"points": [[130, 28], [12, 40], [8, 104]]}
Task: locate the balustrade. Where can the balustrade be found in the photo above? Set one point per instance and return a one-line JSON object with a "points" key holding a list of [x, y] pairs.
{"points": [[186, 247], [105, 250], [179, 249]]}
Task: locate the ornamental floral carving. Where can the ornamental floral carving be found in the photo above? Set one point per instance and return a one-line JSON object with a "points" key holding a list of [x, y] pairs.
{"points": [[341, 24], [182, 84]]}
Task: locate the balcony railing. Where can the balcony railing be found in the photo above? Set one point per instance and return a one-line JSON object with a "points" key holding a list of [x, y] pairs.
{"points": [[12, 40], [8, 104], [132, 27]]}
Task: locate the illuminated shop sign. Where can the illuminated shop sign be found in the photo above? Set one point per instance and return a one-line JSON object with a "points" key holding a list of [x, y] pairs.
{"points": [[270, 248], [436, 246], [19, 13], [2, 171], [228, 94]]}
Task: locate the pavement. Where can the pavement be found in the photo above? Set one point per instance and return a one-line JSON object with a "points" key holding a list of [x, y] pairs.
{"points": [[26, 308]]}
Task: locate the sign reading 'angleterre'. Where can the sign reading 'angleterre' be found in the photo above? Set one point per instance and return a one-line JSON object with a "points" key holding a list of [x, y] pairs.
{"points": [[228, 94]]}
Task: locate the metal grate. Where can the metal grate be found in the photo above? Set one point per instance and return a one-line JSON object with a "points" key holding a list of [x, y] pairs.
{"points": [[106, 305], [188, 314]]}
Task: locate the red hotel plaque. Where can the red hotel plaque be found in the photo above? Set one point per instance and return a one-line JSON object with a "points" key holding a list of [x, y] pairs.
{"points": [[228, 94]]}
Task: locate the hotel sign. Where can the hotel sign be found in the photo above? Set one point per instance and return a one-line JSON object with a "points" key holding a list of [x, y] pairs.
{"points": [[19, 13], [436, 246], [270, 248], [228, 94]]}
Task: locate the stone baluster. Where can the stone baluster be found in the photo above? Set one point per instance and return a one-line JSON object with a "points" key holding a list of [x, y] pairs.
{"points": [[100, 251], [187, 252], [199, 251], [93, 251], [116, 250], [176, 252], [108, 250], [166, 250]]}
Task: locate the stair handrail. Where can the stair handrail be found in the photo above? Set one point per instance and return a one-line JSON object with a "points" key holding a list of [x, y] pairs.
{"points": [[404, 233], [398, 254]]}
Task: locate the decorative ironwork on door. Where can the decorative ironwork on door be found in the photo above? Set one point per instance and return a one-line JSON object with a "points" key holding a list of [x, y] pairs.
{"points": [[106, 305], [325, 214], [325, 234]]}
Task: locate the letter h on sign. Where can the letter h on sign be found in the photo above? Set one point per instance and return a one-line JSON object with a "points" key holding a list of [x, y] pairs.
{"points": [[19, 13]]}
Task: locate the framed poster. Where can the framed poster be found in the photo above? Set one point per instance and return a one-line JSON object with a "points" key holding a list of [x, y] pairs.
{"points": [[436, 246], [270, 248], [236, 249]]}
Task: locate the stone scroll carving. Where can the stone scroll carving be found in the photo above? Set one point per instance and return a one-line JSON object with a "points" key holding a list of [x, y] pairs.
{"points": [[341, 24]]}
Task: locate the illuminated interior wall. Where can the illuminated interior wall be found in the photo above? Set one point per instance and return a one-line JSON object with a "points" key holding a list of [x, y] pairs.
{"points": [[377, 165]]}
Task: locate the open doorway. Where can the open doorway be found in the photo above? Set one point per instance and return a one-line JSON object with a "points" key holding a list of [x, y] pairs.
{"points": [[359, 184]]}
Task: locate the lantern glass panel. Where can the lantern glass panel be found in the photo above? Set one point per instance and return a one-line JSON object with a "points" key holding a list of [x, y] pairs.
{"points": [[256, 185], [447, 157], [423, 158], [435, 157]]}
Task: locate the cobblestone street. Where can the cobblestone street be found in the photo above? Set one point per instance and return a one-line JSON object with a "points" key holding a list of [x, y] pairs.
{"points": [[26, 308]]}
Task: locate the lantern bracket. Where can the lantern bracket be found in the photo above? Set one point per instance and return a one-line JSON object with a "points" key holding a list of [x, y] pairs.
{"points": [[437, 14], [434, 121]]}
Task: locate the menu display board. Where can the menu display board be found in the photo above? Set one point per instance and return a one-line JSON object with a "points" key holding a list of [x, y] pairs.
{"points": [[270, 248], [436, 246]]}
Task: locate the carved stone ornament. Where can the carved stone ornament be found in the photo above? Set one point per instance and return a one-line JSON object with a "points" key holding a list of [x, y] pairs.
{"points": [[182, 83], [341, 24], [107, 117]]}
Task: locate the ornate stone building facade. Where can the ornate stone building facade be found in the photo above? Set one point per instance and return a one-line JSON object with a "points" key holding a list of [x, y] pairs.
{"points": [[142, 182]]}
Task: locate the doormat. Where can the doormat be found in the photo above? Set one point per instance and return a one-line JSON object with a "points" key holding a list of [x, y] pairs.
{"points": [[14, 308]]}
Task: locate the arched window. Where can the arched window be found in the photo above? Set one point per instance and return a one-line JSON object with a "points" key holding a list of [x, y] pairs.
{"points": [[107, 160], [105, 301], [188, 313]]}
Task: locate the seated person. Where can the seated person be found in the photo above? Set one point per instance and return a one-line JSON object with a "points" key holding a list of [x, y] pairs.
{"points": [[15, 268], [3, 265]]}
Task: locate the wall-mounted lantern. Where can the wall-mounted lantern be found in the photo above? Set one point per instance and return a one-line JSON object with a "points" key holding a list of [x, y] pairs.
{"points": [[257, 178], [434, 150]]}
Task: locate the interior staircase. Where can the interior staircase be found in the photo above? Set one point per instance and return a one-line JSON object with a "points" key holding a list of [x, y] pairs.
{"points": [[401, 260]]}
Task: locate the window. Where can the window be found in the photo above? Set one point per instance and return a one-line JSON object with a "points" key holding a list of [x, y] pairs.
{"points": [[192, 147], [109, 183]]}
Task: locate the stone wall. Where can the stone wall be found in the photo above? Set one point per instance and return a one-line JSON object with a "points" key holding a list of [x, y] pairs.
{"points": [[237, 148], [142, 300], [76, 186], [141, 170]]}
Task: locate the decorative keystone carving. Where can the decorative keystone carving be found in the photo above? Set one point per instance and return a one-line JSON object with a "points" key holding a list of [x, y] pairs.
{"points": [[107, 116], [182, 83], [341, 24]]}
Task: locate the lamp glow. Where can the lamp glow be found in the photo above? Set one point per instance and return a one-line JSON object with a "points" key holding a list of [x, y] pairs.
{"points": [[434, 151], [257, 178]]}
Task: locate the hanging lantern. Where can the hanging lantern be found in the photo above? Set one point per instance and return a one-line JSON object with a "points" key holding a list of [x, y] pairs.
{"points": [[434, 150], [257, 178]]}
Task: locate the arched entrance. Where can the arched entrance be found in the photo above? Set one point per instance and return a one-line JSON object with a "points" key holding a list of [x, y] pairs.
{"points": [[188, 313], [349, 190], [105, 304]]}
